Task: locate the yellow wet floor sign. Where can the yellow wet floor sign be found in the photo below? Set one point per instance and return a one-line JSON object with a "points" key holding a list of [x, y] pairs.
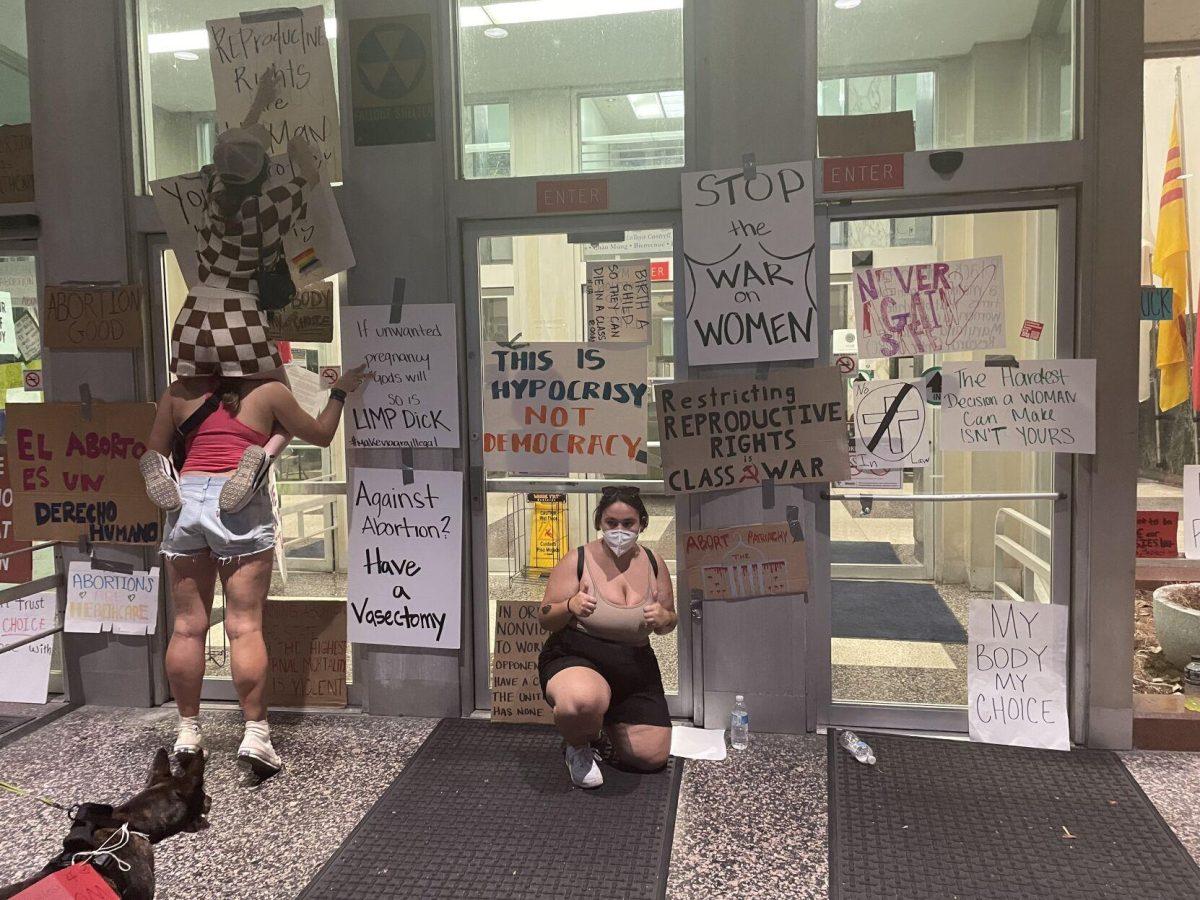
{"points": [[547, 532]]}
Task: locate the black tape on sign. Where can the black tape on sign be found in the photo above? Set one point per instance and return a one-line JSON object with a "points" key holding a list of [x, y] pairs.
{"points": [[406, 465], [85, 401], [762, 370], [1002, 361], [641, 456], [107, 564], [749, 166], [398, 287], [511, 343], [267, 15], [793, 522], [768, 492]]}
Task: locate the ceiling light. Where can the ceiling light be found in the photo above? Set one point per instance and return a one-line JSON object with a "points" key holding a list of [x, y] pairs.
{"points": [[495, 31], [187, 55], [672, 103], [646, 106], [197, 39], [520, 11], [847, 4]]}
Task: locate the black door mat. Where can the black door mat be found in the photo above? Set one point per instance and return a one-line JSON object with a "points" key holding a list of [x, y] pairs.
{"points": [[488, 810], [937, 818], [8, 723], [871, 553], [895, 611]]}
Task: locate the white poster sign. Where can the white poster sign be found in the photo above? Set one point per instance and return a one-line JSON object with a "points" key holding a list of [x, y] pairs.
{"points": [[892, 426], [938, 307], [307, 388], [618, 298], [296, 49], [1191, 512], [111, 601], [1017, 674], [864, 478], [405, 558], [317, 247], [413, 399], [25, 671], [562, 408], [1041, 405], [8, 330], [750, 285]]}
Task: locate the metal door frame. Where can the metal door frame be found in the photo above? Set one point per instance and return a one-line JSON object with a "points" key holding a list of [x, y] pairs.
{"points": [[823, 711], [687, 703]]}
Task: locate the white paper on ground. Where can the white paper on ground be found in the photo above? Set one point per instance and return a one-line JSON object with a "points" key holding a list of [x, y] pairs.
{"points": [[697, 743]]}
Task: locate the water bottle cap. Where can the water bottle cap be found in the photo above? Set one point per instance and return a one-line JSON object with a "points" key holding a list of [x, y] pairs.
{"points": [[738, 698]]}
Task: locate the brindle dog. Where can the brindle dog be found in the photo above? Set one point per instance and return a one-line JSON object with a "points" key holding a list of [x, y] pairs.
{"points": [[168, 805]]}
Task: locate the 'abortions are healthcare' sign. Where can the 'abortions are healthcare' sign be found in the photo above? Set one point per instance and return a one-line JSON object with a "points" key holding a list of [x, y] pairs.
{"points": [[413, 399], [938, 307], [111, 601], [560, 408], [724, 433], [405, 559], [748, 245]]}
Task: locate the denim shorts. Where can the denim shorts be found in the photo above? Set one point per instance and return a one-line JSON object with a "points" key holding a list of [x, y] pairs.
{"points": [[199, 526]]}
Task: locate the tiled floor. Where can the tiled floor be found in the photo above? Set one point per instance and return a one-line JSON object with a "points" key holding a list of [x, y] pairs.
{"points": [[1172, 782]]}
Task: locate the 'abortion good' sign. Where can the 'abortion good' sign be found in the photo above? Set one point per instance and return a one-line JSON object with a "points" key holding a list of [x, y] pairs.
{"points": [[111, 601], [87, 317], [938, 307], [405, 559], [1046, 405], [748, 245], [1017, 674], [723, 433], [413, 399], [561, 408]]}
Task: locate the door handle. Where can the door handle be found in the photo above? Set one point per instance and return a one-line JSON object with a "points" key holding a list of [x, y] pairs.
{"points": [[697, 607]]}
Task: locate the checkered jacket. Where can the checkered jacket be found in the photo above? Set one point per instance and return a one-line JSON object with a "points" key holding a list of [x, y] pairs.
{"points": [[230, 251]]}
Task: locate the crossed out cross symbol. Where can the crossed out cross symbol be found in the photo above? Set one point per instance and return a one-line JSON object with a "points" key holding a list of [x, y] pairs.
{"points": [[895, 437]]}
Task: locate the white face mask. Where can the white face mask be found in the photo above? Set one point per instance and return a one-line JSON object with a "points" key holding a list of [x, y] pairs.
{"points": [[620, 541]]}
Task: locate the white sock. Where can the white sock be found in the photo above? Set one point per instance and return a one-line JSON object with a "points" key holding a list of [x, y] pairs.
{"points": [[194, 721]]}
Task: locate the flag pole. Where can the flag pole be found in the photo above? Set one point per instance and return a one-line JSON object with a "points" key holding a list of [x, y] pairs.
{"points": [[1190, 332]]}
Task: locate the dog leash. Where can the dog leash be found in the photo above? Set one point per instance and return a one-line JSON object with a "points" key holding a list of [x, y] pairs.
{"points": [[21, 792]]}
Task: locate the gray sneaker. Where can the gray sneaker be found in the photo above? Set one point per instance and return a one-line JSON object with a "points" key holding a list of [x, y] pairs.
{"points": [[244, 483], [581, 763], [162, 484]]}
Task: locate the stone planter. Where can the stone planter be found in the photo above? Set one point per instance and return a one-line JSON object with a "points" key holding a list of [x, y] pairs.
{"points": [[1177, 627]]}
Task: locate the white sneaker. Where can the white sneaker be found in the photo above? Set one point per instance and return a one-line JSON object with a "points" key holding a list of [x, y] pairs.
{"points": [[581, 763], [190, 738], [246, 481], [256, 753]]}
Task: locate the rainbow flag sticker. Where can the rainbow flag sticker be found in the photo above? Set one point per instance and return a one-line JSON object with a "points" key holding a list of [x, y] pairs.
{"points": [[305, 260]]}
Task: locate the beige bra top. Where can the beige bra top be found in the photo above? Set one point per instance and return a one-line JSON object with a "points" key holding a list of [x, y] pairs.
{"points": [[622, 624]]}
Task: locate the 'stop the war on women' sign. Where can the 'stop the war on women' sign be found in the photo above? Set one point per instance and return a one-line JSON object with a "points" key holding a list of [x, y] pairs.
{"points": [[750, 287], [938, 307]]}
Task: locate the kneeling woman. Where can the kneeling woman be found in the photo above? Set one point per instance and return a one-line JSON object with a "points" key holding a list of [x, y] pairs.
{"points": [[597, 667]]}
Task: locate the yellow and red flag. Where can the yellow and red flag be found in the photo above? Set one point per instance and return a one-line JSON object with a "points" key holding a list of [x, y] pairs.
{"points": [[1171, 266]]}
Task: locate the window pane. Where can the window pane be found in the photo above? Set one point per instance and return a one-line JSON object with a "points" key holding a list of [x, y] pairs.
{"points": [[584, 85], [974, 72], [178, 104], [14, 64]]}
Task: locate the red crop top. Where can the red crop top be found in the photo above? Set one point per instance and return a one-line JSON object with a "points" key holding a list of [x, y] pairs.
{"points": [[218, 444]]}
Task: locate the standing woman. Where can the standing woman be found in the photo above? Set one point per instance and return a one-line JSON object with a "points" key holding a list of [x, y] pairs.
{"points": [[203, 542], [221, 330], [597, 668]]}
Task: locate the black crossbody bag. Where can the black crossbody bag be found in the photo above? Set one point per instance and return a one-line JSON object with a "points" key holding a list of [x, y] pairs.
{"points": [[190, 424]]}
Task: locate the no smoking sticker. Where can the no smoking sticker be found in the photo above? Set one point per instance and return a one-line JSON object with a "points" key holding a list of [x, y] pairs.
{"points": [[32, 379], [330, 374]]}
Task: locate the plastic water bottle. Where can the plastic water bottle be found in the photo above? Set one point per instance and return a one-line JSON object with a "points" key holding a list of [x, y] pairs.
{"points": [[1191, 677], [857, 747], [739, 724]]}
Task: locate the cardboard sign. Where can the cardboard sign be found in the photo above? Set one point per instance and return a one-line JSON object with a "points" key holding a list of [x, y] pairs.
{"points": [[111, 601], [308, 318], [750, 283], [746, 561], [405, 559], [891, 425], [25, 671], [77, 882], [1191, 512], [723, 433], [413, 399], [1045, 405], [516, 690], [863, 478], [1158, 303], [92, 317], [549, 532], [16, 164], [561, 408], [940, 307], [867, 134], [306, 645], [618, 298], [863, 173], [1031, 330], [393, 80], [572, 195], [16, 569], [1157, 533], [316, 248], [296, 49], [73, 477], [1017, 674]]}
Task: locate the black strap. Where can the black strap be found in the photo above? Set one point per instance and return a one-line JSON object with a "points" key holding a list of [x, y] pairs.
{"points": [[195, 420], [649, 556]]}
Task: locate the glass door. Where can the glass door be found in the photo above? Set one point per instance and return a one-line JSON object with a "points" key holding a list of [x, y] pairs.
{"points": [[528, 281], [910, 553]]}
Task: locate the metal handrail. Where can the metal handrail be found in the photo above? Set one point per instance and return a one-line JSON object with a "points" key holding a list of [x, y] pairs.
{"points": [[21, 591], [30, 640], [1029, 561], [947, 498], [567, 486], [30, 549]]}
